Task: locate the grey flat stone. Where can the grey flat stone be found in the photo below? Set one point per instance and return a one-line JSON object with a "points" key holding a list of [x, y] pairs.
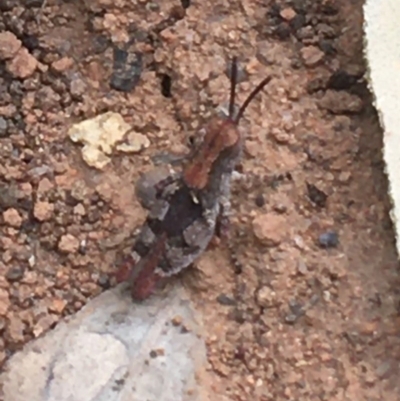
{"points": [[113, 349]]}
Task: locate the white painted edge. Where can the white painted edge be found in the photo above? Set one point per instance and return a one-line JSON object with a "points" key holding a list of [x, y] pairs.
{"points": [[382, 52]]}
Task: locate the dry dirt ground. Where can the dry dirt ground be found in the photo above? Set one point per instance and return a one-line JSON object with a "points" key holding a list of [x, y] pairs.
{"points": [[314, 315]]}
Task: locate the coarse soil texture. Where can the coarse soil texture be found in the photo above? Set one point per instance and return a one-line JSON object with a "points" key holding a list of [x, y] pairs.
{"points": [[314, 312]]}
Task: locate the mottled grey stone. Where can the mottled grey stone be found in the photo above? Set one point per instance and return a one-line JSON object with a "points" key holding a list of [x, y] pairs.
{"points": [[104, 353]]}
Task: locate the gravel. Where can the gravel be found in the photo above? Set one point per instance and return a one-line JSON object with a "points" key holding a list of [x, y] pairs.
{"points": [[67, 225]]}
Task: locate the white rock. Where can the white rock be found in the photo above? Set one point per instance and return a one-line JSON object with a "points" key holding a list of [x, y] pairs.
{"points": [[101, 134], [103, 354], [133, 143], [382, 51]]}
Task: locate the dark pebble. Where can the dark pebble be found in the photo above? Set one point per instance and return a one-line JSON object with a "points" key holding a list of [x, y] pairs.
{"points": [[153, 354], [2, 323], [16, 89], [282, 31], [296, 311], [7, 197], [329, 239], [166, 83], [127, 70], [298, 22], [274, 11], [3, 127], [100, 44], [296, 63], [327, 47], [185, 3], [93, 216], [240, 353], [300, 6], [260, 200], [104, 281], [82, 249], [31, 42], [33, 3], [275, 180], [329, 9], [316, 196], [70, 200], [316, 84], [15, 273], [8, 5], [139, 35], [238, 316], [225, 300], [340, 80], [291, 318], [25, 204]]}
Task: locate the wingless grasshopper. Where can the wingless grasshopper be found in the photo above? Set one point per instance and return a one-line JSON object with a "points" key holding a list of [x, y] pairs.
{"points": [[187, 208]]}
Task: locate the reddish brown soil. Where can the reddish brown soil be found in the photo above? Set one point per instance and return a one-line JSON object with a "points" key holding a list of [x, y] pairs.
{"points": [[302, 321]]}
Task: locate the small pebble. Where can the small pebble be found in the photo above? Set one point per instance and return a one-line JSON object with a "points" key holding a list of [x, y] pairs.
{"points": [[344, 176], [127, 70], [15, 273], [15, 329], [316, 196], [62, 64], [12, 218], [43, 210], [104, 281], [68, 244], [260, 200], [154, 353], [327, 46], [291, 318], [282, 31], [280, 208], [296, 311], [341, 102], [7, 197], [298, 22], [225, 300], [329, 239], [3, 127], [311, 55], [341, 80], [34, 3], [58, 305], [9, 45], [23, 65], [2, 323], [270, 228], [302, 267], [288, 14], [384, 369], [176, 320], [4, 306], [185, 3], [166, 83], [266, 297]]}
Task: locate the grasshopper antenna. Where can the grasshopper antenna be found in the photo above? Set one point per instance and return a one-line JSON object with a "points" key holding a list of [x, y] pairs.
{"points": [[233, 87], [249, 99]]}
